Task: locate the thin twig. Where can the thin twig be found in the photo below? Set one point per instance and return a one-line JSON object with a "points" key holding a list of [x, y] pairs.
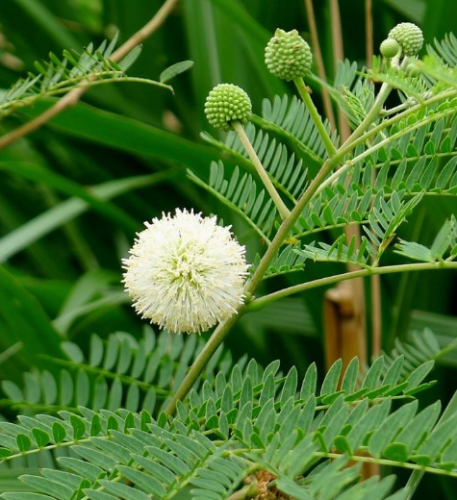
{"points": [[319, 62], [261, 302], [73, 97]]}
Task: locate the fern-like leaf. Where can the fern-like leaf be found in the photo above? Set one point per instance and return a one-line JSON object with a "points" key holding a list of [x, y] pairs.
{"points": [[57, 77], [119, 372], [444, 245]]}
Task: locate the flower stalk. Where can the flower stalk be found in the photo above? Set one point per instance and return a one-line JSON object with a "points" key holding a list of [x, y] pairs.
{"points": [[315, 116], [284, 212], [199, 364]]}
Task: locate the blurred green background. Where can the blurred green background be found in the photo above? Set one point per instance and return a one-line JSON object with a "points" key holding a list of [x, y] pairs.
{"points": [[61, 244]]}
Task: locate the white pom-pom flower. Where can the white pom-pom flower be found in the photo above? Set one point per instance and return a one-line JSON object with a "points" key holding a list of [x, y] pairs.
{"points": [[185, 273]]}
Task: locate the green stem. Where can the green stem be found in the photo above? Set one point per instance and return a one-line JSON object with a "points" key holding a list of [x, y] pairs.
{"points": [[37, 407], [125, 379], [315, 116], [288, 224], [383, 94], [284, 212], [396, 109], [447, 349], [401, 133], [389, 463], [223, 328], [364, 459], [50, 447], [330, 280], [78, 83], [199, 364]]}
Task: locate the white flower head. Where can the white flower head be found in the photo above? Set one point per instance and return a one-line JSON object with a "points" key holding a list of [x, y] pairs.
{"points": [[185, 273]]}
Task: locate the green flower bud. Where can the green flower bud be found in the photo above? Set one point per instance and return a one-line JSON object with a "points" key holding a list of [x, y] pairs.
{"points": [[389, 48], [288, 56], [409, 36], [227, 103], [412, 70]]}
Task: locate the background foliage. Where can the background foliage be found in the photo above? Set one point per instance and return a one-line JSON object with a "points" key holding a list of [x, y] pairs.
{"points": [[60, 247]]}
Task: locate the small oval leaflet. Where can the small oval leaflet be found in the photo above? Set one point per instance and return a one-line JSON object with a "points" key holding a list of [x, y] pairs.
{"points": [[174, 70]]}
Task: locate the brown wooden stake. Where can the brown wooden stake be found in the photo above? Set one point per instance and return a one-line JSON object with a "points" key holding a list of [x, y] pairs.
{"points": [[342, 319], [344, 307], [338, 55]]}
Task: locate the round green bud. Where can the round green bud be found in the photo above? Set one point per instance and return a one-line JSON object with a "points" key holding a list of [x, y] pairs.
{"points": [[227, 103], [288, 56], [409, 36], [412, 70], [389, 48]]}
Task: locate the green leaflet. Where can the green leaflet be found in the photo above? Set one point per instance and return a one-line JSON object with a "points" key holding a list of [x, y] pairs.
{"points": [[240, 194]]}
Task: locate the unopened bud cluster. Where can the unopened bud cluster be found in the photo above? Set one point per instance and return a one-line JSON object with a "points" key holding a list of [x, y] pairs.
{"points": [[288, 56], [409, 37], [226, 104]]}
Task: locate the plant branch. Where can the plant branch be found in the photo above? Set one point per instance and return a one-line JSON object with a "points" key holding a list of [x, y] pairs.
{"points": [[319, 62], [73, 97], [389, 463], [223, 328], [125, 379], [288, 223], [315, 116], [330, 280], [10, 351], [284, 212]]}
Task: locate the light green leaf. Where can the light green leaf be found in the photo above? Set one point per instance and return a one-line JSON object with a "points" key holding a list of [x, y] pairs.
{"points": [[174, 70]]}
